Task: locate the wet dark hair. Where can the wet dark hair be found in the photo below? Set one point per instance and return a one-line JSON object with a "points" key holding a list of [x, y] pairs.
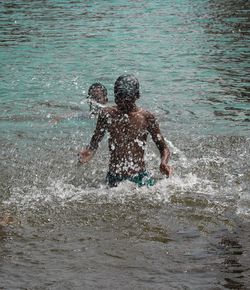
{"points": [[126, 86], [98, 85]]}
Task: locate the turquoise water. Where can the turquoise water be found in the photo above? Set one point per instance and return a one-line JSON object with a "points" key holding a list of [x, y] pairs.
{"points": [[60, 227], [191, 57]]}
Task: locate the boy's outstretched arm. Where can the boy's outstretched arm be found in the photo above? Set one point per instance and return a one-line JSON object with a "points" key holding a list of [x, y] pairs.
{"points": [[86, 154], [154, 130]]}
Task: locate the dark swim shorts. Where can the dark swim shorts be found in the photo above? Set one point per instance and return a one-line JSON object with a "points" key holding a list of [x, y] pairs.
{"points": [[141, 179]]}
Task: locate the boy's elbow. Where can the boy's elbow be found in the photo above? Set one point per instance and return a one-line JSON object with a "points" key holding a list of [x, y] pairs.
{"points": [[165, 153], [169, 154]]}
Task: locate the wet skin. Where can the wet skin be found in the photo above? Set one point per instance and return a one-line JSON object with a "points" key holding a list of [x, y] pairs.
{"points": [[97, 95], [128, 127]]}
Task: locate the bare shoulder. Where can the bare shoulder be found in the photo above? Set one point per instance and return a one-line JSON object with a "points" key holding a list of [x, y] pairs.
{"points": [[108, 111], [147, 115]]}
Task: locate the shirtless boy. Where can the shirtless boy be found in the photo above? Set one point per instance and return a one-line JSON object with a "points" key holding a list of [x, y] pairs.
{"points": [[128, 127], [97, 98]]}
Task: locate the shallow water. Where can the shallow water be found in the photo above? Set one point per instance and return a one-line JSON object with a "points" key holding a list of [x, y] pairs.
{"points": [[60, 226]]}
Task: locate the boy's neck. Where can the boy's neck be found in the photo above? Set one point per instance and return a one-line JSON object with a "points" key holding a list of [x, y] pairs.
{"points": [[128, 110]]}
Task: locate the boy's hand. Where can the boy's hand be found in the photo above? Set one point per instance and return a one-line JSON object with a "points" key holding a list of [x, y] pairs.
{"points": [[166, 169], [85, 155]]}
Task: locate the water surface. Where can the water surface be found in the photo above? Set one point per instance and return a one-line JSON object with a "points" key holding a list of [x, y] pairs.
{"points": [[61, 227]]}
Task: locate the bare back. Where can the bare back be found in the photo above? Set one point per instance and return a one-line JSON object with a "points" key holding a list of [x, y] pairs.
{"points": [[128, 127], [127, 138], [128, 135]]}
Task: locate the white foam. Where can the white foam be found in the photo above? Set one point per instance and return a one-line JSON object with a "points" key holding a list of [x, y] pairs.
{"points": [[60, 192]]}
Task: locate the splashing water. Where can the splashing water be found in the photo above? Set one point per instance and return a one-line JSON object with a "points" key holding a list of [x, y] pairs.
{"points": [[61, 227]]}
